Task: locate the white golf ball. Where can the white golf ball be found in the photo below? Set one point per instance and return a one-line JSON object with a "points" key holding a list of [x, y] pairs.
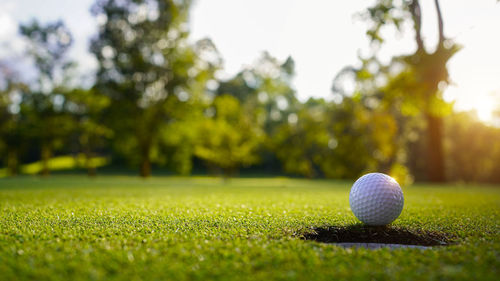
{"points": [[376, 199]]}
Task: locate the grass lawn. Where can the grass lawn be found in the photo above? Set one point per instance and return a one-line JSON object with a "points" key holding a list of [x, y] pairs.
{"points": [[125, 228]]}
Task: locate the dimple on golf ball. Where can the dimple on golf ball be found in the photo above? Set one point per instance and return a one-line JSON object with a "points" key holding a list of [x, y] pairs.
{"points": [[376, 199]]}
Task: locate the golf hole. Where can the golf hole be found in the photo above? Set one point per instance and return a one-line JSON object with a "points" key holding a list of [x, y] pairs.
{"points": [[374, 237]]}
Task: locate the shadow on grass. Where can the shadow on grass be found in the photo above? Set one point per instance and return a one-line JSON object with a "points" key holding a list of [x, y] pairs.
{"points": [[359, 233]]}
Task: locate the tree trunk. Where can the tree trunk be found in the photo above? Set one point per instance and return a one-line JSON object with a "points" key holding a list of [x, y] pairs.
{"points": [[145, 161], [46, 154], [12, 162], [91, 170], [435, 164], [432, 76], [227, 173]]}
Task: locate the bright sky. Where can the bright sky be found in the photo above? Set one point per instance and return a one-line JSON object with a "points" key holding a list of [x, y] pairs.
{"points": [[322, 36]]}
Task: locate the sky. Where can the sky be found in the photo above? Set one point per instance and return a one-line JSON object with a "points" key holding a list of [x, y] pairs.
{"points": [[322, 36]]}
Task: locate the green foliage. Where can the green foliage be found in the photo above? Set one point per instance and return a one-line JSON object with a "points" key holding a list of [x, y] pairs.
{"points": [[337, 140], [409, 88], [401, 174], [85, 107], [267, 99], [229, 139], [302, 143], [48, 45], [43, 103], [178, 140], [386, 13], [264, 91], [125, 228], [148, 69], [473, 149], [13, 133], [157, 101], [350, 148]]}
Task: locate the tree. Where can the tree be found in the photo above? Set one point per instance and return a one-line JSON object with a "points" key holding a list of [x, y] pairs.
{"points": [[229, 137], [85, 107], [473, 149], [337, 140], [377, 111], [301, 143], [264, 90], [424, 74], [148, 70], [44, 103], [12, 122], [267, 97]]}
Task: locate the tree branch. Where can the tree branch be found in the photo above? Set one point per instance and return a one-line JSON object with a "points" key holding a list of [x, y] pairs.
{"points": [[417, 21], [440, 23]]}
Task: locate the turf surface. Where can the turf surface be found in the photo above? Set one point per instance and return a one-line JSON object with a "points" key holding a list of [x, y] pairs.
{"points": [[125, 228]]}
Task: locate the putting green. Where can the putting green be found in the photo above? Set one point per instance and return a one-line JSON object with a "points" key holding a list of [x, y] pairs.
{"points": [[125, 228]]}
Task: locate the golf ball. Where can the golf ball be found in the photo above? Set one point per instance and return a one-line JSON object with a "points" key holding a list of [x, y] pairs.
{"points": [[376, 199]]}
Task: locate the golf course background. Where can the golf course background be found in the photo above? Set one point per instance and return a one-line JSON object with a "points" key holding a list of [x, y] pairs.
{"points": [[157, 164], [199, 228], [158, 101]]}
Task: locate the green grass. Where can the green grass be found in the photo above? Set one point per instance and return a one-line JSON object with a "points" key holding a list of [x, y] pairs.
{"points": [[125, 228]]}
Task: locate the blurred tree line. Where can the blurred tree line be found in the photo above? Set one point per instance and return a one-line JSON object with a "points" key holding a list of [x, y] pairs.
{"points": [[157, 101]]}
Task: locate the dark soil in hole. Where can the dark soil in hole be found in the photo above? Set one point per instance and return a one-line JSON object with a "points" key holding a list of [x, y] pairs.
{"points": [[378, 234]]}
